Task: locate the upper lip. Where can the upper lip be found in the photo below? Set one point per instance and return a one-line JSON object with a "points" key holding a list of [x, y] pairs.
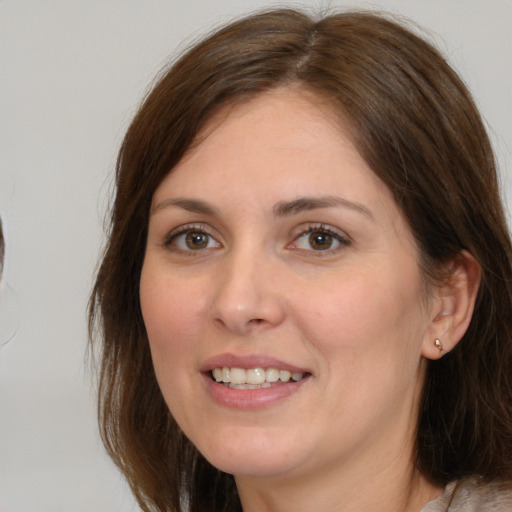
{"points": [[249, 361]]}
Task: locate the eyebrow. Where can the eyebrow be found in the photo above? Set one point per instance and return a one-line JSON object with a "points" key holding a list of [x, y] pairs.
{"points": [[190, 205], [281, 209], [303, 204]]}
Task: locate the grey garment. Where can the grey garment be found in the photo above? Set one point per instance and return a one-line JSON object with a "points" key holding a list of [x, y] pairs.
{"points": [[472, 495]]}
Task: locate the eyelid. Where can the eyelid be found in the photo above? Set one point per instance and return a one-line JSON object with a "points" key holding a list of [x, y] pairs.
{"points": [[183, 229], [312, 227]]}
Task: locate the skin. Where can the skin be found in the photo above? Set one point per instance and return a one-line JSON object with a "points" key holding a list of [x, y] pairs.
{"points": [[354, 315]]}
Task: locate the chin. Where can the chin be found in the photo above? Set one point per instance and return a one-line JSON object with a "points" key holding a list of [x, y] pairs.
{"points": [[261, 466], [256, 455]]}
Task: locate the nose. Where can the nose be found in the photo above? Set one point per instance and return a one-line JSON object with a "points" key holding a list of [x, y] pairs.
{"points": [[247, 296]]}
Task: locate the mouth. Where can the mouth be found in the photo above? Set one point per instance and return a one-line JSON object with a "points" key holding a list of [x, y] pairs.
{"points": [[252, 382], [254, 378]]}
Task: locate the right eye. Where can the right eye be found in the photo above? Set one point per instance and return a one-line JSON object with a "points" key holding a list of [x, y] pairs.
{"points": [[188, 239]]}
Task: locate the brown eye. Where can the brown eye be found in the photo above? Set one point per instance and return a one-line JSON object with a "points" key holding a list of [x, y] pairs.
{"points": [[320, 241], [196, 241], [190, 240]]}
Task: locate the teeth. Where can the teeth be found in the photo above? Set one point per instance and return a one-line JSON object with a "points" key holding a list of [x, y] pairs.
{"points": [[237, 376], [256, 376], [272, 375], [253, 378], [249, 386], [284, 375]]}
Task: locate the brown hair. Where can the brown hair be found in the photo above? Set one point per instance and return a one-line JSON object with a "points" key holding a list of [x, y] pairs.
{"points": [[415, 124]]}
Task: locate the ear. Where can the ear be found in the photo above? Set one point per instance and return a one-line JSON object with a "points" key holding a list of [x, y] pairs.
{"points": [[452, 305]]}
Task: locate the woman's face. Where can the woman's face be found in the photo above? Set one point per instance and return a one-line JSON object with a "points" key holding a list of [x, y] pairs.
{"points": [[279, 263]]}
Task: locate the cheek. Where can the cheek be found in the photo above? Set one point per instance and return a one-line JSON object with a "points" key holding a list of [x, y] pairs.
{"points": [[172, 312], [363, 314], [173, 319], [367, 337]]}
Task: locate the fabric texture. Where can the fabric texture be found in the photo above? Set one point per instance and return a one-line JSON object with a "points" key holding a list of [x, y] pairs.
{"points": [[473, 495]]}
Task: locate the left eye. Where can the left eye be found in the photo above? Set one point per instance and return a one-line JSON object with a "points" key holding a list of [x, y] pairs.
{"points": [[319, 240], [192, 241]]}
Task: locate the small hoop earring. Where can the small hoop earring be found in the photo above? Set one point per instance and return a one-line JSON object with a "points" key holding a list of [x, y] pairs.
{"points": [[438, 343]]}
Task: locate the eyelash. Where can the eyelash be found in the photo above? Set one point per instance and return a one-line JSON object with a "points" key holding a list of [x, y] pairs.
{"points": [[321, 229], [200, 229], [197, 229]]}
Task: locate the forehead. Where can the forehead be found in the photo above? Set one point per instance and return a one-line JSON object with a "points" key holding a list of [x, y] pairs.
{"points": [[286, 106], [282, 136]]}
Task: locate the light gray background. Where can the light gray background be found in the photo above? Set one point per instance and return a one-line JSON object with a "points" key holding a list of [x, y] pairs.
{"points": [[71, 76]]}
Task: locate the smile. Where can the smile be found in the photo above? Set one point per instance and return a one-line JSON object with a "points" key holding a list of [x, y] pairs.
{"points": [[253, 378]]}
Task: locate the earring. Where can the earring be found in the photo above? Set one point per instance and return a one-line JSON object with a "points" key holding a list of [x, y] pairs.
{"points": [[438, 343]]}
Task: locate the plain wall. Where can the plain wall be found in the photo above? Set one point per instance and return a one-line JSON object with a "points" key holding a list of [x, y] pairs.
{"points": [[71, 76]]}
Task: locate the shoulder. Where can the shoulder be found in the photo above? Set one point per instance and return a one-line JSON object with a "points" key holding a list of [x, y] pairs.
{"points": [[473, 495]]}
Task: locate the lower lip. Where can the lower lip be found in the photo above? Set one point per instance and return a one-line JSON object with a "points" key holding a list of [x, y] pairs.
{"points": [[251, 399]]}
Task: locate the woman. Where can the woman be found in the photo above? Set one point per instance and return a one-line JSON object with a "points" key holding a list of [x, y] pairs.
{"points": [[305, 300]]}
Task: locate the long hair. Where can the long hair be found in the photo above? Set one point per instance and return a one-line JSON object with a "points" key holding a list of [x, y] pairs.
{"points": [[416, 125]]}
